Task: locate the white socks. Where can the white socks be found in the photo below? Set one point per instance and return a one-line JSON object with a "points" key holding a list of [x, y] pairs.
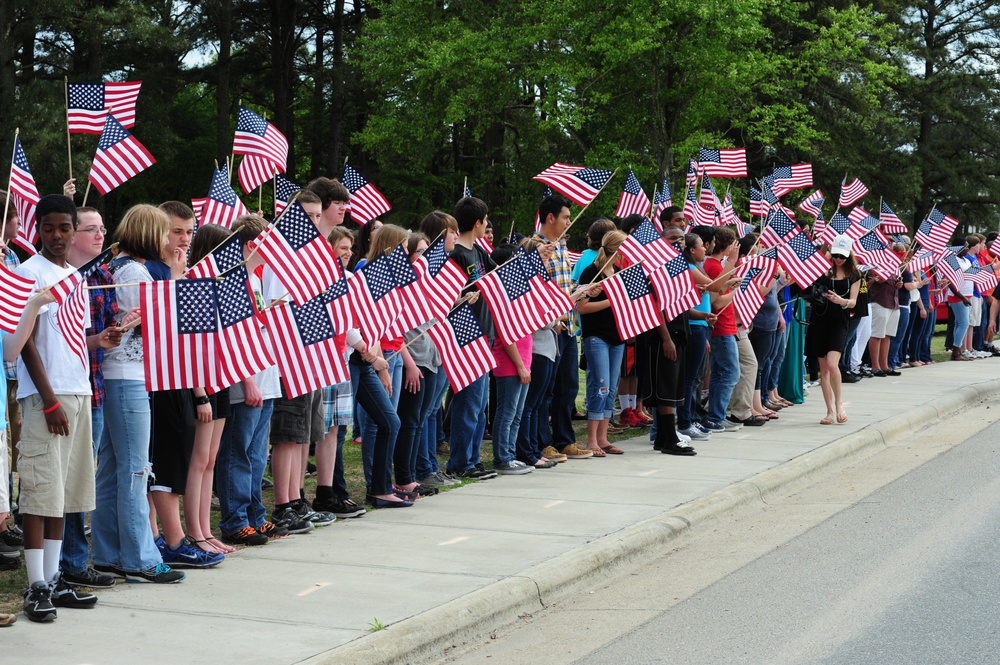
{"points": [[33, 563], [52, 550]]}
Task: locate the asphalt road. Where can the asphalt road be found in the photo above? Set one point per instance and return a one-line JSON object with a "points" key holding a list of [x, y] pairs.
{"points": [[908, 575]]}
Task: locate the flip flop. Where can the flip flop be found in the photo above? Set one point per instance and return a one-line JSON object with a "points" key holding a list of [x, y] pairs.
{"points": [[612, 450], [842, 417], [826, 421], [598, 452]]}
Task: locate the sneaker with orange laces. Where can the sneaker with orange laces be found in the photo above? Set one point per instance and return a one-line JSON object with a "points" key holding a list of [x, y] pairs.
{"points": [[245, 536], [272, 530]]}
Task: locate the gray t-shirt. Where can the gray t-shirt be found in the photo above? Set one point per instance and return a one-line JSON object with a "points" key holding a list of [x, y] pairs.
{"points": [[767, 315], [422, 349], [543, 343]]}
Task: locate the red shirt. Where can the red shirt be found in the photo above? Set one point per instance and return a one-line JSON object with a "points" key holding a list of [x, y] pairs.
{"points": [[726, 323]]}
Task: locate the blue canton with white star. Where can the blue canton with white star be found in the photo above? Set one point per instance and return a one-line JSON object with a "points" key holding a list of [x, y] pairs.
{"points": [[296, 227], [284, 188], [235, 299], [514, 280], [380, 277], [596, 178], [632, 185], [86, 96], [635, 282], [466, 326], [677, 266], [747, 278], [802, 246], [402, 269], [197, 310], [221, 190], [870, 242], [839, 223], [113, 133], [251, 123], [313, 320], [352, 180], [20, 159]]}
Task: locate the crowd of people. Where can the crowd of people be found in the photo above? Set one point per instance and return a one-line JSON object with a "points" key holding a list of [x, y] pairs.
{"points": [[93, 440]]}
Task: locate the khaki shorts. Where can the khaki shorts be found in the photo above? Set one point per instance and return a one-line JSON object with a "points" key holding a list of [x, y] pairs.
{"points": [[56, 472], [4, 472], [884, 321]]}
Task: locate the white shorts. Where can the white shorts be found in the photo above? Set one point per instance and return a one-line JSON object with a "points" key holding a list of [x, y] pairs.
{"points": [[976, 312], [884, 321]]}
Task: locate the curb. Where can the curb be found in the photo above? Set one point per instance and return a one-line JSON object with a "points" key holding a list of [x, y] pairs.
{"points": [[424, 636]]}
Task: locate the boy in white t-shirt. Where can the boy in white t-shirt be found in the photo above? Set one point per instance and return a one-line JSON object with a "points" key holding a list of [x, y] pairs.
{"points": [[55, 455]]}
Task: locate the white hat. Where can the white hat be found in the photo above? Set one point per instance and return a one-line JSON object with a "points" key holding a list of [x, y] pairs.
{"points": [[841, 245]]}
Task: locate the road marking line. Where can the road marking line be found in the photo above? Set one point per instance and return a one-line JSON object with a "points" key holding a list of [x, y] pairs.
{"points": [[554, 504], [455, 540], [319, 585]]}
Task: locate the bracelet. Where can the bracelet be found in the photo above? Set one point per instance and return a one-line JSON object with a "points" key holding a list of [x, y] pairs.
{"points": [[52, 408], [202, 401]]}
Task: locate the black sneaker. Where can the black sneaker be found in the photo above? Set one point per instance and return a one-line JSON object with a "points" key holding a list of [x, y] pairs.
{"points": [[89, 578], [38, 603], [8, 563], [9, 551], [677, 449], [109, 570], [289, 520], [161, 573], [477, 474], [310, 515], [12, 538], [427, 490], [63, 595], [272, 530], [342, 508], [245, 536]]}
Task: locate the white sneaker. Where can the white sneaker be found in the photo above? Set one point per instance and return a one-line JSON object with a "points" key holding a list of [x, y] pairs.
{"points": [[967, 354], [693, 433], [683, 437]]}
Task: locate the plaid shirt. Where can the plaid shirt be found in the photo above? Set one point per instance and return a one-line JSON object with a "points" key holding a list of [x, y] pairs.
{"points": [[103, 310], [561, 271], [11, 261]]}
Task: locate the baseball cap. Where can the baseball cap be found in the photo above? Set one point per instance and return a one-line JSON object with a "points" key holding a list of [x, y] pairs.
{"points": [[841, 245]]}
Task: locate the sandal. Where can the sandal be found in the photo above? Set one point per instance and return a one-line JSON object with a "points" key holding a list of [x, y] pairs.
{"points": [[201, 545], [598, 452], [219, 545], [842, 417], [828, 420], [612, 450]]}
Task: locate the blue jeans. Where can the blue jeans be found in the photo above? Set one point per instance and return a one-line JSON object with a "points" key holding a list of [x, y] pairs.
{"points": [[920, 342], [961, 313], [895, 343], [368, 423], [604, 365], [979, 327], [435, 384], [852, 338], [468, 424], [511, 394], [725, 376], [693, 357], [120, 532], [411, 413], [371, 395], [762, 342], [770, 382], [529, 436], [75, 549], [564, 391], [239, 467]]}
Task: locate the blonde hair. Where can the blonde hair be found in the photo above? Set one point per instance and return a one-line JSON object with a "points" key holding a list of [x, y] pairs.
{"points": [[610, 243], [142, 231], [388, 238]]}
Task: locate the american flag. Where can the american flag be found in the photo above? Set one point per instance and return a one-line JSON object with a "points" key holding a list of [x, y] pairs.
{"points": [[839, 225], [284, 190], [517, 308], [813, 204], [25, 193], [465, 351], [851, 193], [949, 268], [726, 212], [367, 203], [674, 287], [15, 292], [243, 351], [868, 223], [62, 289], [303, 339], [922, 261], [758, 206], [72, 318], [632, 302], [546, 193], [890, 221], [796, 176], [778, 229], [647, 245], [340, 301], [442, 279], [119, 157], [580, 184], [573, 257], [374, 299], [662, 199], [802, 261], [633, 200], [935, 231], [223, 258], [222, 206], [819, 226], [89, 103], [180, 322], [725, 163], [484, 244], [706, 216], [872, 250], [992, 247], [301, 258], [414, 306], [466, 192], [708, 198], [265, 149], [691, 202], [983, 277], [755, 272], [551, 296]]}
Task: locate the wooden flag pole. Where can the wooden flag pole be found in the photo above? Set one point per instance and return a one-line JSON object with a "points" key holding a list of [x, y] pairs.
{"points": [[465, 186], [10, 179], [260, 200], [272, 226], [274, 181], [224, 241], [69, 144], [86, 193]]}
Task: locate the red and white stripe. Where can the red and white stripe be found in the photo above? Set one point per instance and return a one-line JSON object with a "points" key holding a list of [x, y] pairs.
{"points": [[632, 317], [15, 292], [255, 170], [305, 273], [119, 97], [675, 294], [372, 318], [462, 364], [119, 163], [71, 317], [851, 193], [747, 302], [303, 368]]}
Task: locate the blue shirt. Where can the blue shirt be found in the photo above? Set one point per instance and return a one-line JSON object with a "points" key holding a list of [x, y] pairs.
{"points": [[704, 306]]}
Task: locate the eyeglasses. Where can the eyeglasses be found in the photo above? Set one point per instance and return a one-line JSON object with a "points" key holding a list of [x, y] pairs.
{"points": [[97, 231]]}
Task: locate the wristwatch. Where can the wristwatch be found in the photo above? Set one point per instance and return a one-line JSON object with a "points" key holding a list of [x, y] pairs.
{"points": [[201, 401]]}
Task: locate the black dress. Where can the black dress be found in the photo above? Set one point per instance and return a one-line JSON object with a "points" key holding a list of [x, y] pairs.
{"points": [[828, 322]]}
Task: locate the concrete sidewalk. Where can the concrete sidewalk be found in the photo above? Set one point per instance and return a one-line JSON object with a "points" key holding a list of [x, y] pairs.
{"points": [[480, 554]]}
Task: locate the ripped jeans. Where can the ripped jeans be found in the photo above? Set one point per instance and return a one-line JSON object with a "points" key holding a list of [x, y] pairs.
{"points": [[604, 365], [120, 533]]}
